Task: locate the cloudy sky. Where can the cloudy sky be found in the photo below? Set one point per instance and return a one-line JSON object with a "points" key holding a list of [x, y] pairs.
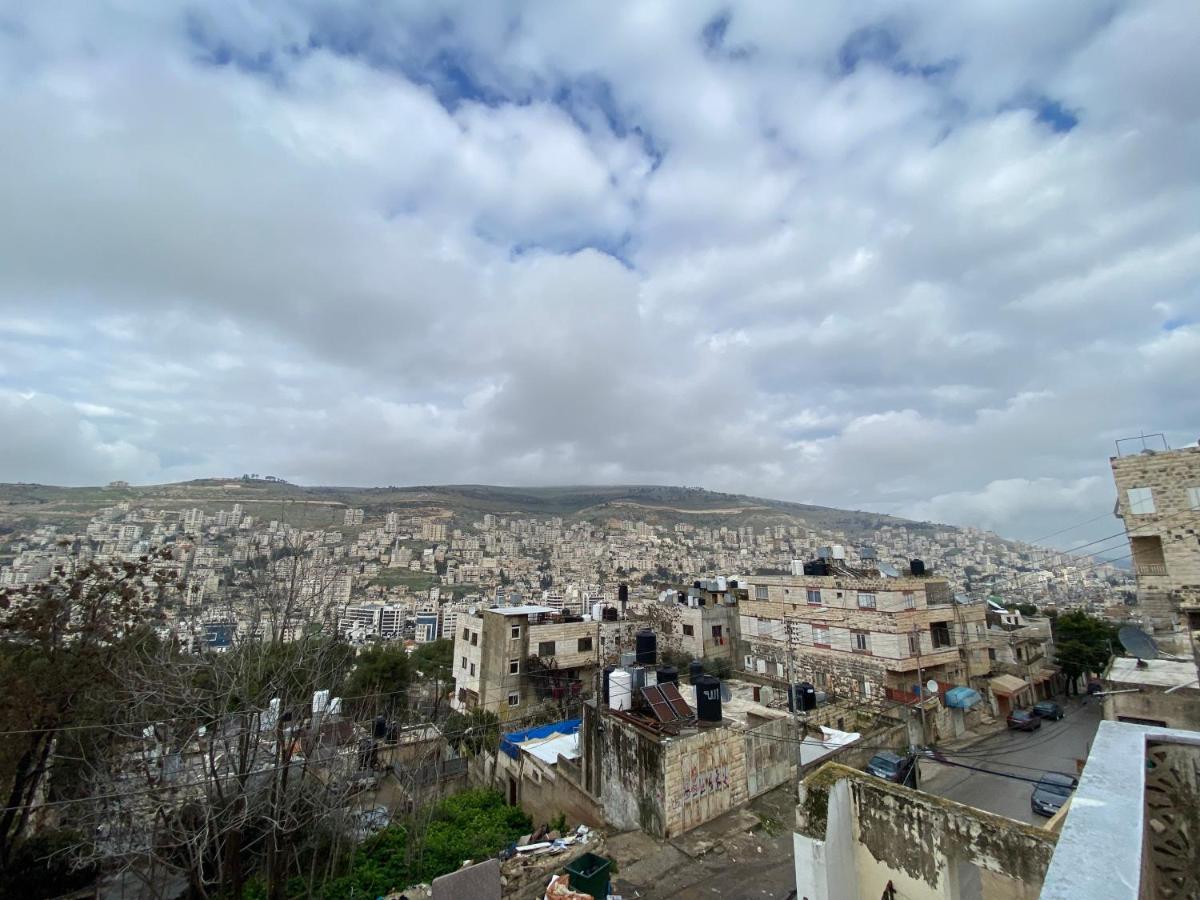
{"points": [[916, 259]]}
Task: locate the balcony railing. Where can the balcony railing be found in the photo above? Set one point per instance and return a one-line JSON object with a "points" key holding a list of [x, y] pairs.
{"points": [[1151, 569]]}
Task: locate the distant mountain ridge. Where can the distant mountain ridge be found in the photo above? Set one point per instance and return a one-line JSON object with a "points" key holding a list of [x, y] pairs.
{"points": [[464, 502]]}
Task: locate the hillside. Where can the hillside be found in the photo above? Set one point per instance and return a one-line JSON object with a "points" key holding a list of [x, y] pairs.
{"points": [[322, 506]]}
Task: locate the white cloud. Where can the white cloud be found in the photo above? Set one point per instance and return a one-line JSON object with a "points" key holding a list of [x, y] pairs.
{"points": [[837, 255]]}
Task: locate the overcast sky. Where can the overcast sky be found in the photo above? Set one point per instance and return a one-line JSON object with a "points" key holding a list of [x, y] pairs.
{"points": [[922, 260]]}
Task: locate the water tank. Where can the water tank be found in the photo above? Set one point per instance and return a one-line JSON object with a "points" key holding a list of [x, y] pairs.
{"points": [[695, 670], [608, 670], [917, 567], [597, 611], [628, 658], [647, 647], [668, 673], [708, 699], [623, 594], [610, 614], [802, 696], [620, 692], [637, 676]]}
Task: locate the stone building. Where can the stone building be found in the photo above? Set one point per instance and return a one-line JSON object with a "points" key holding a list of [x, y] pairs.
{"points": [[1158, 498], [510, 659], [859, 634], [1158, 692]]}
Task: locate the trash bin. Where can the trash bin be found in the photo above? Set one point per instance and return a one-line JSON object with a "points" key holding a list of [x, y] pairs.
{"points": [[589, 874]]}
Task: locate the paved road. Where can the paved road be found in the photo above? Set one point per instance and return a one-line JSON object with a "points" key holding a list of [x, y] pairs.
{"points": [[1055, 746]]}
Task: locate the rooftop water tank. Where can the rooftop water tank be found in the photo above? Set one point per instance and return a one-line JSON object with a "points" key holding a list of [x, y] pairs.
{"points": [[708, 699], [802, 696], [608, 670], [668, 673], [647, 647], [695, 670], [620, 690]]}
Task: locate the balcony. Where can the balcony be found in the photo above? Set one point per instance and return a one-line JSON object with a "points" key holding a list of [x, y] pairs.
{"points": [[1151, 569]]}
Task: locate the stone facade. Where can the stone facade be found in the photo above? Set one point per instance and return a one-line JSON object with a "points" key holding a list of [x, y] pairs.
{"points": [[857, 636], [1158, 497]]}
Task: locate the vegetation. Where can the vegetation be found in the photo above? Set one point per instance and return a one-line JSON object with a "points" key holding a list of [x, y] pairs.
{"points": [[473, 732], [475, 824], [414, 581], [1082, 644]]}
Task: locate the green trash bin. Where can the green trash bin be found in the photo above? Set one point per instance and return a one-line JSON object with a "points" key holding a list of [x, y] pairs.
{"points": [[589, 874]]}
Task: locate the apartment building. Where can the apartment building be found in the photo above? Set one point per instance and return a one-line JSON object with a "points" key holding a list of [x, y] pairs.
{"points": [[510, 659], [1158, 498], [860, 634], [352, 517]]}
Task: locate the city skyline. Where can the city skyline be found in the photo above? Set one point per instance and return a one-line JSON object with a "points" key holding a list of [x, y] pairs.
{"points": [[925, 263]]}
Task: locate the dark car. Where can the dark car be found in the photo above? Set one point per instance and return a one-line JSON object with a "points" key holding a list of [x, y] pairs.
{"points": [[891, 766], [1048, 709], [1023, 720], [1051, 792]]}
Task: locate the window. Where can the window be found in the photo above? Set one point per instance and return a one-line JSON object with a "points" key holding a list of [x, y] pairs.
{"points": [[464, 663], [814, 596], [821, 635], [585, 645], [1193, 497], [761, 592], [992, 654], [914, 644], [688, 631], [545, 648], [474, 638], [940, 632], [748, 663], [910, 600], [860, 641], [514, 699], [1141, 501], [514, 667], [716, 632], [472, 669], [515, 633], [866, 601], [466, 634]]}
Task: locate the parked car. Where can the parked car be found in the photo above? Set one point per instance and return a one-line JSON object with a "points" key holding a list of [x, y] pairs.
{"points": [[1023, 720], [1048, 709], [891, 766], [1051, 792]]}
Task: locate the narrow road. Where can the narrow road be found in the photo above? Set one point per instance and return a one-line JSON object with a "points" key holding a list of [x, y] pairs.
{"points": [[1056, 746]]}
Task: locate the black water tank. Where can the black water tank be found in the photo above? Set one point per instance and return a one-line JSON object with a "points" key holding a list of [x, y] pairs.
{"points": [[708, 699], [380, 730], [695, 670], [917, 567], [696, 585], [608, 670], [810, 568], [681, 596], [646, 646], [610, 614], [623, 594], [802, 696], [668, 673]]}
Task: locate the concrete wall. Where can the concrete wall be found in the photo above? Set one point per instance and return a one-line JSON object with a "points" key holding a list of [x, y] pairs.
{"points": [[856, 834], [705, 776], [1180, 709]]}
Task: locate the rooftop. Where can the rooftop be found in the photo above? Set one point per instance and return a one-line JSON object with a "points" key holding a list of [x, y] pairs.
{"points": [[522, 610], [1164, 673]]}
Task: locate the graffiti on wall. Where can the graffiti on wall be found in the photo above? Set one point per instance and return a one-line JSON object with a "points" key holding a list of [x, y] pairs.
{"points": [[697, 784]]}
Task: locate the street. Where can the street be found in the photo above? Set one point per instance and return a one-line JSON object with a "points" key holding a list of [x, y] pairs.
{"points": [[1056, 746]]}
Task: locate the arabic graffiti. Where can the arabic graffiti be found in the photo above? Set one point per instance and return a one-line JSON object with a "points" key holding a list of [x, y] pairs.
{"points": [[697, 784]]}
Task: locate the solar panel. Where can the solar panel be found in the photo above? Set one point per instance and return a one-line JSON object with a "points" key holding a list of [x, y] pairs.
{"points": [[659, 704], [678, 705]]}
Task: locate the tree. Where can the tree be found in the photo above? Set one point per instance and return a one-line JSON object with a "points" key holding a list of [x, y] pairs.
{"points": [[59, 640], [1082, 644], [474, 732], [382, 674]]}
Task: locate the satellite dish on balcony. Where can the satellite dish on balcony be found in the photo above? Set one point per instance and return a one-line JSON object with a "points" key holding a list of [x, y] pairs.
{"points": [[1137, 643], [931, 686]]}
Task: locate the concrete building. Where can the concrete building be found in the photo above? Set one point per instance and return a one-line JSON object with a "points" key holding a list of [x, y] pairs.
{"points": [[859, 836], [1158, 692], [861, 634], [352, 517], [1158, 498], [509, 659]]}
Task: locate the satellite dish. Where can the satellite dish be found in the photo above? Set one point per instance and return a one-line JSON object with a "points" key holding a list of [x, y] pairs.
{"points": [[1137, 643], [726, 694], [931, 686]]}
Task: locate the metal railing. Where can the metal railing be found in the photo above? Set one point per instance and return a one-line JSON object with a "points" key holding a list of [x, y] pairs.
{"points": [[1151, 569]]}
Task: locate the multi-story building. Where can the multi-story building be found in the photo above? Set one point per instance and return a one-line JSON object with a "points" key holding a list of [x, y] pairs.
{"points": [[860, 634], [509, 659], [353, 517], [1158, 498]]}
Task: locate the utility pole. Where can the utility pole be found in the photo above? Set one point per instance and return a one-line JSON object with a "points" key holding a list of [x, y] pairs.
{"points": [[797, 731], [916, 633]]}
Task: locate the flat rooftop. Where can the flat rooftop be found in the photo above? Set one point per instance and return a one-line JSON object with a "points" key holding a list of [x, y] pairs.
{"points": [[522, 610], [1164, 673]]}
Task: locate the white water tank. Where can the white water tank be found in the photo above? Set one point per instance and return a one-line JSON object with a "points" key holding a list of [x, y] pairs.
{"points": [[620, 690]]}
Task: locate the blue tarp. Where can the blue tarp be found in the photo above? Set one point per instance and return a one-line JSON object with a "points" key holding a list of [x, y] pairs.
{"points": [[509, 742], [962, 697]]}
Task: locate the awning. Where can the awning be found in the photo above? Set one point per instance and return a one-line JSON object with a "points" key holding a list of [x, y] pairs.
{"points": [[1045, 674], [1007, 685]]}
